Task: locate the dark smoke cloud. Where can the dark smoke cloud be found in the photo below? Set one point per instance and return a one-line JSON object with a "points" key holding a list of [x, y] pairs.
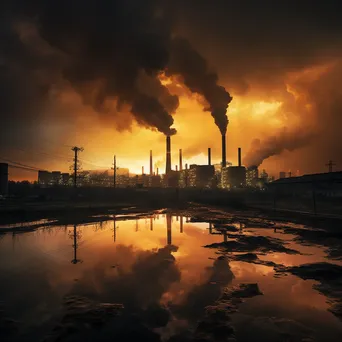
{"points": [[106, 45], [252, 45], [276, 144], [110, 49], [112, 41], [193, 68]]}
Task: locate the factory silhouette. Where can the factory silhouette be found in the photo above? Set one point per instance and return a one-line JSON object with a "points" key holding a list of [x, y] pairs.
{"points": [[223, 175]]}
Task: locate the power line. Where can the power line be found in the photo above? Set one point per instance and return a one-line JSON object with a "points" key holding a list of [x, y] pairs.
{"points": [[89, 163], [69, 158], [22, 165], [22, 168]]}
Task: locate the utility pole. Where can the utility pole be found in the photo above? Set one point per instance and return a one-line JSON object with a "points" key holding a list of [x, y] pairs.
{"points": [[114, 168], [330, 165], [76, 166]]}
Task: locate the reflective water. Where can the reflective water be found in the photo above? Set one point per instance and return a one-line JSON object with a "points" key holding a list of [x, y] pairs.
{"points": [[159, 270]]}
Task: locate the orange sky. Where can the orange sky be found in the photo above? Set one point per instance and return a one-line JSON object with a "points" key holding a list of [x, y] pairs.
{"points": [[254, 115]]}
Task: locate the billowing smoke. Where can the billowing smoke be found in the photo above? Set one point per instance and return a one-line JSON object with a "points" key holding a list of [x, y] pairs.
{"points": [[194, 70], [115, 50], [276, 144], [106, 46]]}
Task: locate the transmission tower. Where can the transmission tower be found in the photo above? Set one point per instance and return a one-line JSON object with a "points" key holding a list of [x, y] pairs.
{"points": [[114, 168], [76, 162], [330, 165]]}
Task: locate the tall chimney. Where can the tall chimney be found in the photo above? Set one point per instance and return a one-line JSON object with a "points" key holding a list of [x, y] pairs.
{"points": [[168, 155], [239, 156], [176, 167], [157, 171], [142, 170], [209, 156], [151, 165], [186, 166], [180, 160], [224, 160]]}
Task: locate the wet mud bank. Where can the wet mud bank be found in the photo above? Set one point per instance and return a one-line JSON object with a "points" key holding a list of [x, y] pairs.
{"points": [[192, 273]]}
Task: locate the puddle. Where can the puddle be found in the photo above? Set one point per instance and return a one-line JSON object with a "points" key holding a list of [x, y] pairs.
{"points": [[151, 278]]}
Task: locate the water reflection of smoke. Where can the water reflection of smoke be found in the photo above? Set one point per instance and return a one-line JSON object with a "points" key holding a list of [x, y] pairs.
{"points": [[219, 276], [137, 285]]}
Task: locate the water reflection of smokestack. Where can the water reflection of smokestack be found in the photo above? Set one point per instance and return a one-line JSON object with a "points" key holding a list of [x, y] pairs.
{"points": [[169, 227], [151, 223], [210, 228], [181, 224], [136, 225], [225, 236]]}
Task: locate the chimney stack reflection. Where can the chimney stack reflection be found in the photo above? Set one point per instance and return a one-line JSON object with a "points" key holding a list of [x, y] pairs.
{"points": [[169, 227]]}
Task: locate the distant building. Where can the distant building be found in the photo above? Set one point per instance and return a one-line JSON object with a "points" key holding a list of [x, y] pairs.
{"points": [[66, 179], [325, 185], [252, 175], [264, 176], [154, 181], [282, 174], [3, 179], [201, 176], [233, 177], [56, 177], [184, 178], [44, 178], [171, 179], [122, 181]]}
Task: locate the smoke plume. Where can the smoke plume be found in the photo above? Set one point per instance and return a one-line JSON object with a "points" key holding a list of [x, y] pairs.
{"points": [[276, 144], [194, 70]]}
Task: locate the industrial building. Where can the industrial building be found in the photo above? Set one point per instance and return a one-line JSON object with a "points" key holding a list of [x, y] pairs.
{"points": [[222, 175], [44, 178], [3, 179], [252, 176], [324, 184], [233, 177], [282, 174], [201, 176]]}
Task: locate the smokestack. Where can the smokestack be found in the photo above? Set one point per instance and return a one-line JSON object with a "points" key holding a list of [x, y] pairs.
{"points": [[209, 156], [186, 166], [151, 167], [180, 160], [168, 155], [224, 161], [239, 156], [176, 167], [157, 171], [142, 170]]}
